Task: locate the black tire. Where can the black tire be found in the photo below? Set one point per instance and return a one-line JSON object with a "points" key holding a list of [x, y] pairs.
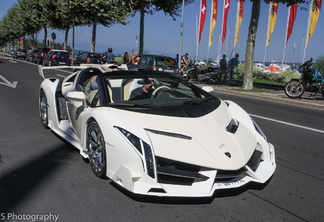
{"points": [[96, 149], [232, 81], [294, 89], [43, 109], [185, 78]]}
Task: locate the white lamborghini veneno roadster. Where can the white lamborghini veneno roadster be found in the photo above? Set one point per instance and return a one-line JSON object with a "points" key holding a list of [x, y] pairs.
{"points": [[155, 134]]}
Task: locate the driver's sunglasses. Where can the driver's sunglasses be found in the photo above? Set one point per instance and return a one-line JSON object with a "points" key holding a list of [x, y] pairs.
{"points": [[149, 82]]}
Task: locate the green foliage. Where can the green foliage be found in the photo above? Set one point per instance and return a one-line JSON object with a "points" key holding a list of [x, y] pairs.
{"points": [[119, 60], [319, 64]]}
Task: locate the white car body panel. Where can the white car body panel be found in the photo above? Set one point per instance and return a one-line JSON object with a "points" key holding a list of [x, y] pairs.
{"points": [[206, 147]]}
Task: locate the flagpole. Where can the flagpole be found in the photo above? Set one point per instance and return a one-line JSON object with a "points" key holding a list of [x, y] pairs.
{"points": [[237, 17], [285, 45], [222, 24], [265, 49], [307, 31], [211, 19], [198, 31], [219, 47], [227, 35], [181, 35], [302, 50]]}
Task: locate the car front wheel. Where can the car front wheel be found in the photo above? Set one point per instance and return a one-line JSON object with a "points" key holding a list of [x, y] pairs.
{"points": [[96, 149]]}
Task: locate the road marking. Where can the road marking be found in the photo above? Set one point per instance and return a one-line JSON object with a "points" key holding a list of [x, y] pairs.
{"points": [[7, 83], [289, 124]]}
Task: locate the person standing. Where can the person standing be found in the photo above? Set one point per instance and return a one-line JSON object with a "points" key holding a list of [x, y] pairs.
{"points": [[232, 64], [125, 58], [223, 63], [177, 58]]}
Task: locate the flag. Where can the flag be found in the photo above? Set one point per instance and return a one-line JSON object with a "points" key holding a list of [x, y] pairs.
{"points": [[203, 10], [225, 13], [240, 10], [213, 21], [272, 19], [291, 20], [314, 13]]}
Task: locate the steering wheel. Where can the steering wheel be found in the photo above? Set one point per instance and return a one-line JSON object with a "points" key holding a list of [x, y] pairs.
{"points": [[154, 93]]}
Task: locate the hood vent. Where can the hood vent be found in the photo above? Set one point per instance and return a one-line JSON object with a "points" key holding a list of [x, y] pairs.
{"points": [[232, 126], [177, 135]]}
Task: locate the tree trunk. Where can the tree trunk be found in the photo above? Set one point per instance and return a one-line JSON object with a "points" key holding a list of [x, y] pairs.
{"points": [[73, 37], [93, 41], [141, 40], [45, 36], [66, 37], [249, 54]]}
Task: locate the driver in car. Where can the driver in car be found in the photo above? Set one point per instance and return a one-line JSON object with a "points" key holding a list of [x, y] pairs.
{"points": [[143, 92]]}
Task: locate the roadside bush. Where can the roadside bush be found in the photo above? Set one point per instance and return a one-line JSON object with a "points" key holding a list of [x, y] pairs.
{"points": [[319, 64], [289, 74], [119, 60]]}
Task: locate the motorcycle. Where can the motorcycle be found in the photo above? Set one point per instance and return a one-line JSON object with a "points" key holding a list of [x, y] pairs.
{"points": [[211, 75], [311, 80]]}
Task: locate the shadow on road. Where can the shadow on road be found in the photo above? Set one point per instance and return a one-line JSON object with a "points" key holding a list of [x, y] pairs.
{"points": [[15, 185]]}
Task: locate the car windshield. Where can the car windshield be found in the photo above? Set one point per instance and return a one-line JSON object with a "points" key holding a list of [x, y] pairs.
{"points": [[165, 61], [62, 53], [94, 55], [154, 91]]}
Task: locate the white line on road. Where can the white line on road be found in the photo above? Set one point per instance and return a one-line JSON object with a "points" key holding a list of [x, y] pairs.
{"points": [[289, 124]]}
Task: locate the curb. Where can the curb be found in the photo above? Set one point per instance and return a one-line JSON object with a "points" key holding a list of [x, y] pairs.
{"points": [[271, 95]]}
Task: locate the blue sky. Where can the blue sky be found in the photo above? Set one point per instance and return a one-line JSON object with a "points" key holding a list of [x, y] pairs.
{"points": [[162, 34]]}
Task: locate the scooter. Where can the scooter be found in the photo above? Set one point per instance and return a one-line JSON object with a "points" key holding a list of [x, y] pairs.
{"points": [[191, 73]]}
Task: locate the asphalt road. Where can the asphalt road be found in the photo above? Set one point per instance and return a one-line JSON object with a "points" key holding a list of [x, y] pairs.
{"points": [[42, 176]]}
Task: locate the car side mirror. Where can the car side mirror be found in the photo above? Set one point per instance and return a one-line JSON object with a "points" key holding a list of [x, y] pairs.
{"points": [[208, 88], [78, 97]]}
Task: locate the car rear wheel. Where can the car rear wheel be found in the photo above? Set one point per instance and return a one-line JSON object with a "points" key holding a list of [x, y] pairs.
{"points": [[43, 109], [97, 149]]}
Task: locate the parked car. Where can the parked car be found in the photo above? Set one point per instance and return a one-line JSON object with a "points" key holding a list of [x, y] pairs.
{"points": [[88, 58], [179, 141], [154, 62], [30, 55], [40, 55], [57, 57], [20, 54]]}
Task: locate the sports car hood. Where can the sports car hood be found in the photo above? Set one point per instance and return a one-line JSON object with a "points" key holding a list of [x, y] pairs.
{"points": [[203, 141]]}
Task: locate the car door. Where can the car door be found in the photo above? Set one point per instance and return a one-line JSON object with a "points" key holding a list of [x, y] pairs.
{"points": [[93, 99]]}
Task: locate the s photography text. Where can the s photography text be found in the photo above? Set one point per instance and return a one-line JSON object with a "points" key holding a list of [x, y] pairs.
{"points": [[28, 217]]}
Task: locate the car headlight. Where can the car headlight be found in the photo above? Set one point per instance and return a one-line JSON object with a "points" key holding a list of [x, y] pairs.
{"points": [[258, 129], [141, 147]]}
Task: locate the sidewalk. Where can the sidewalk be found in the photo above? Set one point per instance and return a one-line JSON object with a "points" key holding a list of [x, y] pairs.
{"points": [[275, 94]]}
